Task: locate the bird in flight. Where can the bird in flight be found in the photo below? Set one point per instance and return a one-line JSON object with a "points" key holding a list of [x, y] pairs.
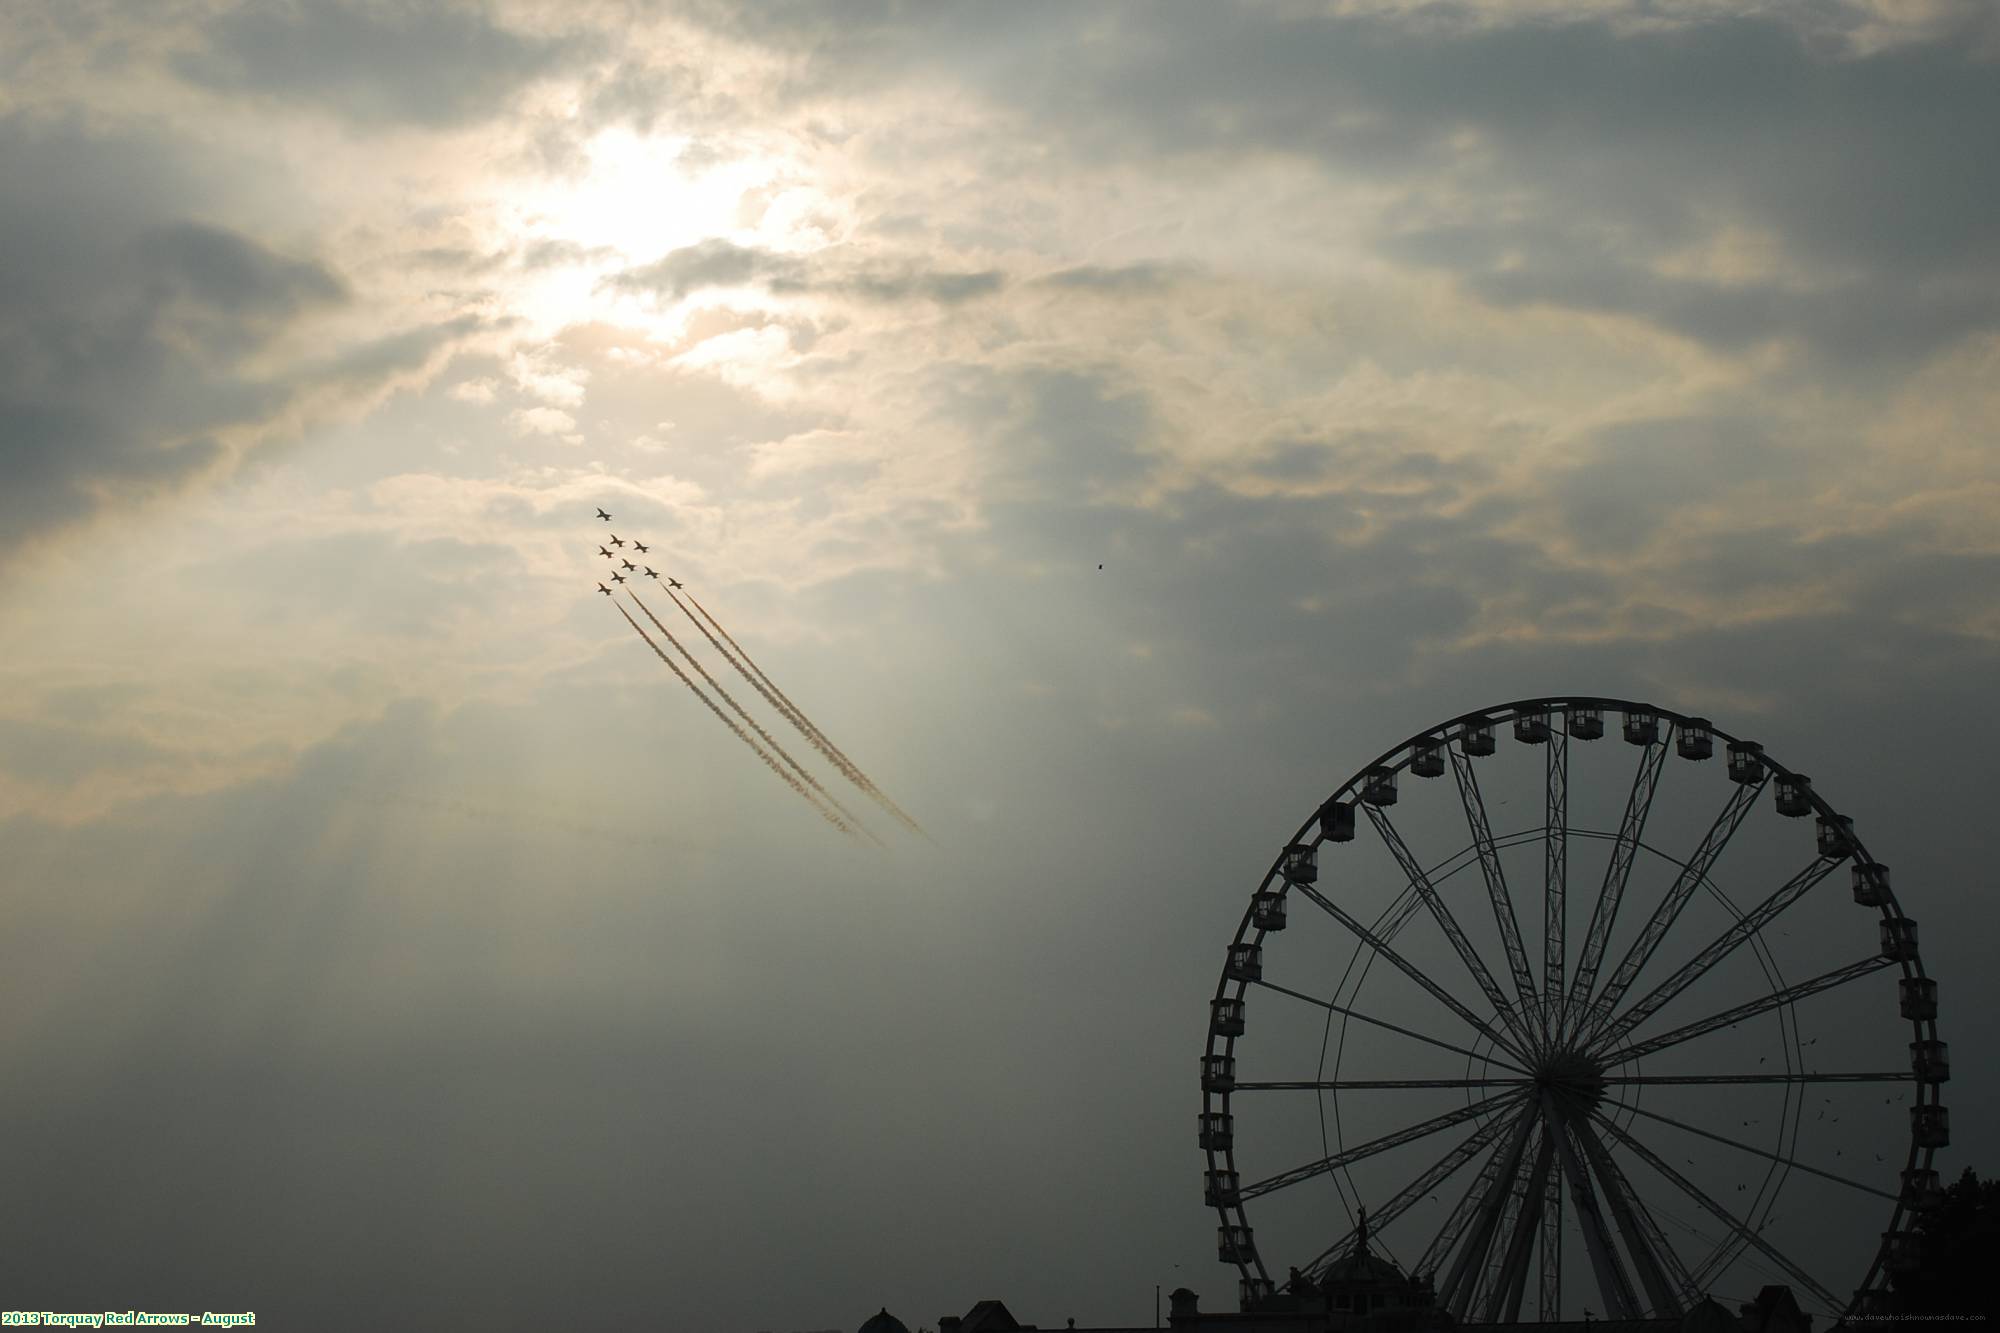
{"points": [[606, 517]]}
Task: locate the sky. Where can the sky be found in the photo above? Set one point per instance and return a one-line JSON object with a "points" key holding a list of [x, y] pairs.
{"points": [[1114, 424]]}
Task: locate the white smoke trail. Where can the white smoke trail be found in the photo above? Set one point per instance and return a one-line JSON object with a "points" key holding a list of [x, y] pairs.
{"points": [[777, 698], [762, 734], [741, 735]]}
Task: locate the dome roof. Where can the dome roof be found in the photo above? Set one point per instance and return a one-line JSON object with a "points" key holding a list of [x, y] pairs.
{"points": [[883, 1322], [1361, 1265]]}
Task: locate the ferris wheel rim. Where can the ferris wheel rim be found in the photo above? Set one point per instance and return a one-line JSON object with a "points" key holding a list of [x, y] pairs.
{"points": [[1442, 737]]}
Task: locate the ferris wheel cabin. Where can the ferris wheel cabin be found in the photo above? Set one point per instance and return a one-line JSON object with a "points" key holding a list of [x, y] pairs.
{"points": [[1930, 1126], [1245, 962], [1871, 885], [1696, 739], [1921, 1192], [1642, 727], [1899, 939], [1746, 762]]}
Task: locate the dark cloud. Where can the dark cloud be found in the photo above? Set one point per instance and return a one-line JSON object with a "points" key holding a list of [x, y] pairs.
{"points": [[1879, 319], [374, 62], [130, 334], [457, 259], [547, 253], [1117, 279], [1638, 475], [61, 755], [1875, 167], [718, 263]]}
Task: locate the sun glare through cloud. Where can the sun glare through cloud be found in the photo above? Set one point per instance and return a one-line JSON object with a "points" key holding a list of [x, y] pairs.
{"points": [[632, 199]]}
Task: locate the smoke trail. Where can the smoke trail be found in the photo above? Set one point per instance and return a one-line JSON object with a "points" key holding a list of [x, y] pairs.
{"points": [[776, 697], [785, 708], [730, 722], [762, 734]]}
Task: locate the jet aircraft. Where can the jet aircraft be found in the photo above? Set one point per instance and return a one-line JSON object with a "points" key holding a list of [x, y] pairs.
{"points": [[617, 578], [606, 517], [606, 554], [652, 573], [641, 547], [675, 583], [606, 591], [629, 565], [615, 541]]}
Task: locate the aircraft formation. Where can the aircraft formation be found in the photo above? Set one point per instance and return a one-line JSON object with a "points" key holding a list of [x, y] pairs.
{"points": [[737, 718]]}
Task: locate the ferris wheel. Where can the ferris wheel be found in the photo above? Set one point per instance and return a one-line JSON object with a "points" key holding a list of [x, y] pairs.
{"points": [[1693, 1083]]}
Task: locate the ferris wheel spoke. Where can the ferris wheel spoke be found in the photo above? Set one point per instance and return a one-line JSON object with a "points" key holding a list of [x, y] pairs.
{"points": [[1403, 965], [1384, 1023], [1555, 878], [1482, 1280], [1421, 882], [1792, 1162], [1731, 818], [1717, 1211], [1439, 1172], [1666, 1280], [1476, 1191], [1505, 1287], [1550, 1296], [1423, 1129], [1469, 796], [1613, 1282], [1839, 976], [1494, 1192], [1875, 1076], [1724, 944], [1624, 852], [1377, 1084]]}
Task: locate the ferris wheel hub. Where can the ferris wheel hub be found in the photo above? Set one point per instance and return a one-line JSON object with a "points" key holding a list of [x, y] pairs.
{"points": [[1571, 1074]]}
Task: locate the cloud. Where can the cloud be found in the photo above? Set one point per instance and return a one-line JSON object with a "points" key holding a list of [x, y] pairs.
{"points": [[377, 63], [1116, 279], [546, 421], [1867, 161], [718, 263], [141, 348], [1876, 319]]}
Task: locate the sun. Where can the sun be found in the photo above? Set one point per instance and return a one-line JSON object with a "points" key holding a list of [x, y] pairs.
{"points": [[639, 197]]}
